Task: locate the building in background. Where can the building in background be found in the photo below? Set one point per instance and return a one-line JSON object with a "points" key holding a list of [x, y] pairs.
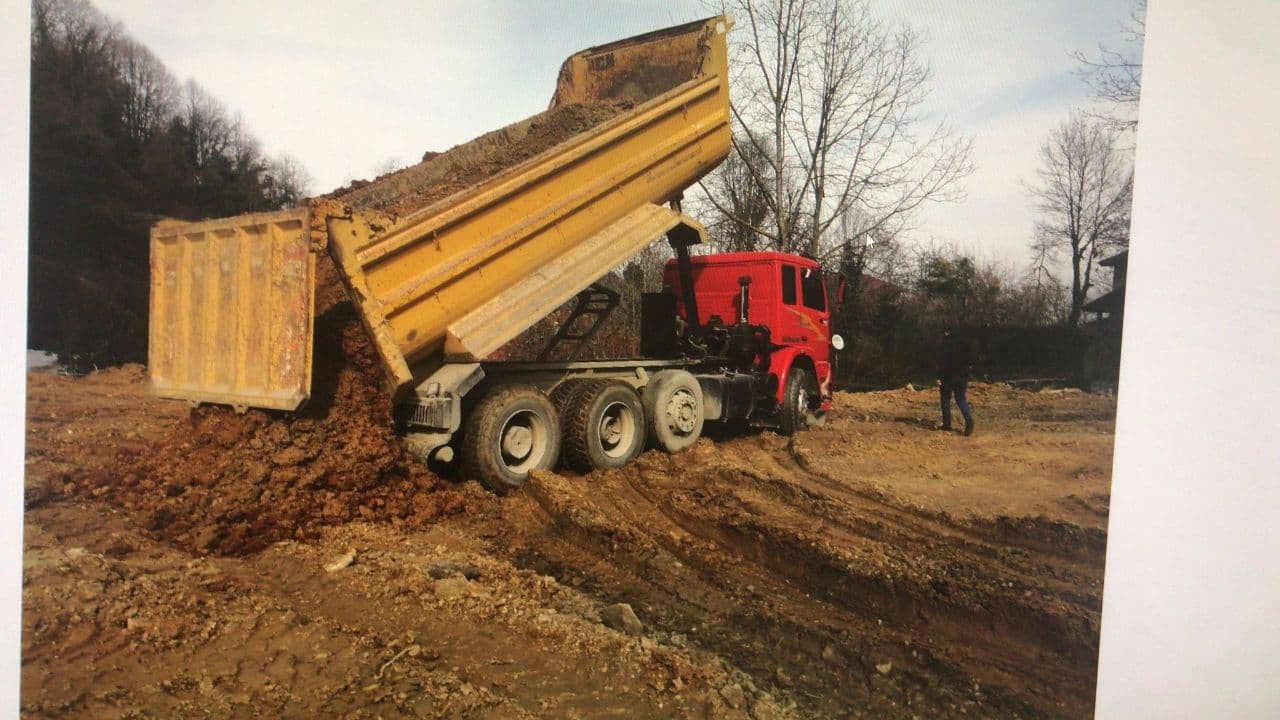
{"points": [[1102, 359]]}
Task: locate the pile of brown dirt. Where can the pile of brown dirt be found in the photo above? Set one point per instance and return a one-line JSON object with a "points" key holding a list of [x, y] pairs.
{"points": [[232, 484], [440, 175]]}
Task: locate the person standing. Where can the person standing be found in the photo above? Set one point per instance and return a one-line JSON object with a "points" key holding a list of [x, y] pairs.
{"points": [[954, 361]]}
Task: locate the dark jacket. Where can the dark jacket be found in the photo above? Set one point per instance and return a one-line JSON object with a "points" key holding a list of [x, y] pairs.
{"points": [[954, 358]]}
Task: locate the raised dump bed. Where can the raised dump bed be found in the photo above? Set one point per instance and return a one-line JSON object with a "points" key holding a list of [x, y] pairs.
{"points": [[441, 272]]}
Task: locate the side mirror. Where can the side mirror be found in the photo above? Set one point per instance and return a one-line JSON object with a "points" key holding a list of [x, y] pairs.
{"points": [[840, 291]]}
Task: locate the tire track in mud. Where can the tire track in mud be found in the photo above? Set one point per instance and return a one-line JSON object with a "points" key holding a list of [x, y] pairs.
{"points": [[698, 551], [728, 606], [994, 626], [1077, 547], [869, 515]]}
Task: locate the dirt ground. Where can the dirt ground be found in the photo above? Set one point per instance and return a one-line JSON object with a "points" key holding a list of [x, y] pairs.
{"points": [[874, 567]]}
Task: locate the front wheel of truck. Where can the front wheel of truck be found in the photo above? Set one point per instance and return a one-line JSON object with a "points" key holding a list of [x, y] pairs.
{"points": [[511, 432], [798, 398]]}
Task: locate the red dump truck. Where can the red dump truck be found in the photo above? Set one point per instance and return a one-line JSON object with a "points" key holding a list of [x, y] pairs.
{"points": [[733, 337]]}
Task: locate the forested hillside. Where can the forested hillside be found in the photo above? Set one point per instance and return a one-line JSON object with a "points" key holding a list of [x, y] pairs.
{"points": [[116, 143]]}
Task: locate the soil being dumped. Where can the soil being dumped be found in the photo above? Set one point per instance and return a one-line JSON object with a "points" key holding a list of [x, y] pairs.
{"points": [[440, 175], [232, 484]]}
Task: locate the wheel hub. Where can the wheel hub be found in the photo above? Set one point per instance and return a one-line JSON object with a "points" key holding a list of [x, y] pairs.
{"points": [[517, 441], [682, 412], [610, 432]]}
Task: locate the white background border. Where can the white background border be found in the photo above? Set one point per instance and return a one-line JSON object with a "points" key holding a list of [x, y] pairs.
{"points": [[1191, 616], [1191, 607]]}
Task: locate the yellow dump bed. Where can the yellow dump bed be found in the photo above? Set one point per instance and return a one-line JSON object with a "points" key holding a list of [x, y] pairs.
{"points": [[231, 299]]}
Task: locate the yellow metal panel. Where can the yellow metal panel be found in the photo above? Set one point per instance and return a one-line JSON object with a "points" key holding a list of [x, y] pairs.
{"points": [[552, 284], [644, 66], [417, 276], [231, 310]]}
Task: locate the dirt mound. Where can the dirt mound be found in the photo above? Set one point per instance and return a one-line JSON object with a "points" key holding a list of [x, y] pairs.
{"points": [[440, 175], [232, 484]]}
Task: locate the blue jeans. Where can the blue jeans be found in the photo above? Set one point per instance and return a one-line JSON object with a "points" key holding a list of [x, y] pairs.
{"points": [[956, 388]]}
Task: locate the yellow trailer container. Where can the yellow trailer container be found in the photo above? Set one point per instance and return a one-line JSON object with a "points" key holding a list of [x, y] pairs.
{"points": [[232, 299]]}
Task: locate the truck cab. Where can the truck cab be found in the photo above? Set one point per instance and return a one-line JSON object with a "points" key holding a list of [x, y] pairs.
{"points": [[764, 314]]}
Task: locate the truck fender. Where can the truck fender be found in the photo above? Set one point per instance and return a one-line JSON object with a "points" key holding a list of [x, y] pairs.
{"points": [[780, 362]]}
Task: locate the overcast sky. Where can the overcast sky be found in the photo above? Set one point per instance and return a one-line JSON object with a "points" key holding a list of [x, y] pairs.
{"points": [[347, 86]]}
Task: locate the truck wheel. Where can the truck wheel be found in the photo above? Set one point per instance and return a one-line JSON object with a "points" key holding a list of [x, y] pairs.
{"points": [[795, 413], [512, 431], [565, 394], [603, 426], [672, 403]]}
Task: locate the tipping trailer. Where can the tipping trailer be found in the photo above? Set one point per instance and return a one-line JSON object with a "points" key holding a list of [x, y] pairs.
{"points": [[732, 337]]}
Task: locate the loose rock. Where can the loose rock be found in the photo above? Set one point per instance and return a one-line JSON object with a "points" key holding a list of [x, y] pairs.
{"points": [[829, 654], [734, 696], [449, 568], [622, 618], [342, 561]]}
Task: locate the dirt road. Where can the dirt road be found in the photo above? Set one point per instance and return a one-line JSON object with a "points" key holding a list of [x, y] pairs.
{"points": [[873, 567]]}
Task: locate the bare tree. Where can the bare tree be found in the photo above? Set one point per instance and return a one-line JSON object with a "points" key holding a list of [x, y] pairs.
{"points": [[150, 90], [209, 131], [742, 183], [767, 64], [827, 102], [1115, 76], [286, 182], [1085, 184], [387, 165]]}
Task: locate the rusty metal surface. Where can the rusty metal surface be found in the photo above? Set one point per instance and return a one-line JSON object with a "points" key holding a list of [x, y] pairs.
{"points": [[232, 310], [420, 277]]}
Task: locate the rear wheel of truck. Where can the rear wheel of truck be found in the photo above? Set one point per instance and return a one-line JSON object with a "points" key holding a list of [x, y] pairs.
{"points": [[565, 394], [673, 410], [513, 430], [800, 393], [603, 426]]}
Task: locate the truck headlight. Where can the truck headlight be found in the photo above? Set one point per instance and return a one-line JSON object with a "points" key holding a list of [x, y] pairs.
{"points": [[837, 342]]}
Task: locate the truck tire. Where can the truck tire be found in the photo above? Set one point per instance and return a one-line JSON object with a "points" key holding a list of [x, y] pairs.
{"points": [[795, 414], [564, 394], [513, 430], [603, 426], [673, 410]]}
